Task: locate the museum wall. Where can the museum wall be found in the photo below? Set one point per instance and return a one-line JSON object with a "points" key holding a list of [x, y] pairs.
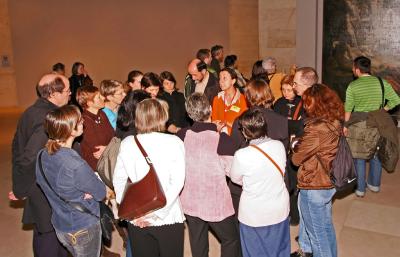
{"points": [[244, 33], [111, 39], [277, 31], [8, 90]]}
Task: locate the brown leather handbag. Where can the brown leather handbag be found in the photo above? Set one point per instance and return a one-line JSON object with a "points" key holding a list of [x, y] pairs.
{"points": [[143, 196]]}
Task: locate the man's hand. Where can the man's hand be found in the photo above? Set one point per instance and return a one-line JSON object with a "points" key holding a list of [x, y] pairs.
{"points": [[345, 131], [100, 150], [12, 197]]}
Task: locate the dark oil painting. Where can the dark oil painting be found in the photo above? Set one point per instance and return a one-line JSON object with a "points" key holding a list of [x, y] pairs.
{"points": [[360, 27]]}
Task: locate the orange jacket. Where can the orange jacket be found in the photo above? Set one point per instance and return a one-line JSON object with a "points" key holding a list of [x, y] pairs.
{"points": [[228, 113]]}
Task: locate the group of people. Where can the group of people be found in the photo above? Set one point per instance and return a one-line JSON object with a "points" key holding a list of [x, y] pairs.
{"points": [[243, 157]]}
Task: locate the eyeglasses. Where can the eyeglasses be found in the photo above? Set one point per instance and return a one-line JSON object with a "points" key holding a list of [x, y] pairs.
{"points": [[120, 93], [295, 84], [67, 91]]}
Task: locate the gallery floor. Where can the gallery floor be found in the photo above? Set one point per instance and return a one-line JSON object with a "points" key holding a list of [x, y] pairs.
{"points": [[365, 227]]}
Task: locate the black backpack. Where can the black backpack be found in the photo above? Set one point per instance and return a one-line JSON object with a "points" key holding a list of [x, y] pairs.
{"points": [[343, 173]]}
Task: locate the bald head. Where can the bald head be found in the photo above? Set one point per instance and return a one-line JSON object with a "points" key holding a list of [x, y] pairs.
{"points": [[55, 88], [304, 78], [49, 78], [193, 69]]}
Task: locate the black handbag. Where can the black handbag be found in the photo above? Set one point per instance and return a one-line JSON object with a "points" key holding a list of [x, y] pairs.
{"points": [[106, 215]]}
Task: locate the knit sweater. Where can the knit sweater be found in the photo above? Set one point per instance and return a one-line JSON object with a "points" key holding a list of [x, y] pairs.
{"points": [[97, 131], [205, 194], [365, 95]]}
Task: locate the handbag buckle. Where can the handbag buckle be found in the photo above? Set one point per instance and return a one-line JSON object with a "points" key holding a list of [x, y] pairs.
{"points": [[148, 159]]}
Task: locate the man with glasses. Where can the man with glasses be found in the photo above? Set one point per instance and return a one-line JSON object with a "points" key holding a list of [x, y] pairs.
{"points": [[29, 138], [304, 78]]}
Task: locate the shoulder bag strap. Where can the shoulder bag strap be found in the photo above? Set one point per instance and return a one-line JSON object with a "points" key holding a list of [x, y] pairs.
{"points": [[76, 206], [383, 92], [296, 112], [266, 155], [149, 162]]}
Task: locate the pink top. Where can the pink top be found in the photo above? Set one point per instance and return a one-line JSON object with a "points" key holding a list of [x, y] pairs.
{"points": [[205, 194]]}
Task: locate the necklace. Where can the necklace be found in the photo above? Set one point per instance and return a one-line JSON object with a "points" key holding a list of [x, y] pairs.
{"points": [[227, 106], [96, 120]]}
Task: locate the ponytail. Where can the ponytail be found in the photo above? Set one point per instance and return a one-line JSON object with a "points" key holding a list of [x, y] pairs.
{"points": [[59, 125], [52, 146]]}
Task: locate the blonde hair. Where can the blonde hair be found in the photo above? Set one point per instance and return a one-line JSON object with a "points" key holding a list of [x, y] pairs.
{"points": [[59, 125], [109, 86], [151, 116]]}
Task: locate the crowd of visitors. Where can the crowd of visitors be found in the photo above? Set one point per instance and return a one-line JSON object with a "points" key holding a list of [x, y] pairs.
{"points": [[244, 158]]}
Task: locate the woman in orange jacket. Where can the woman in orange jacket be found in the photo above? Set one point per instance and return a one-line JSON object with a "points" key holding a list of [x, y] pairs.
{"points": [[229, 103]]}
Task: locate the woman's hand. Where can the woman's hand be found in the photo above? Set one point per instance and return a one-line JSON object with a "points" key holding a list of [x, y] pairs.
{"points": [[220, 125], [87, 196], [100, 150], [173, 129], [145, 221], [110, 194]]}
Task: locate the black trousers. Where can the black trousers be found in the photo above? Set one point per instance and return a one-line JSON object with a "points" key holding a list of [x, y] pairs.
{"points": [[225, 230], [47, 245], [161, 241]]}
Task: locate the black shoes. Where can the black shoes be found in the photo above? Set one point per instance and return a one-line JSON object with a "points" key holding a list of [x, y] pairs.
{"points": [[299, 253]]}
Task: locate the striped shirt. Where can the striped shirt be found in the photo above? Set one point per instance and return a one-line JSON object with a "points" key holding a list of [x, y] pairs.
{"points": [[365, 95]]}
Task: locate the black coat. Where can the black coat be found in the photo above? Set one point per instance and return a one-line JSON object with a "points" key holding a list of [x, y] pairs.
{"points": [[77, 81], [212, 88], [29, 138], [277, 130], [177, 111], [281, 106]]}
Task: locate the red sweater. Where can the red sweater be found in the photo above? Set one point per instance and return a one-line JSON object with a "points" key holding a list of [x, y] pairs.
{"points": [[97, 130]]}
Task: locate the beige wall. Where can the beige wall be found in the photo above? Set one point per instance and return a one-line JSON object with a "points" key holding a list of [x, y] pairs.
{"points": [[112, 37], [243, 33], [309, 25], [8, 94], [277, 31]]}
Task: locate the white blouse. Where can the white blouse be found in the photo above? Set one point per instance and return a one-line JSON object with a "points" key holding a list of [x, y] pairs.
{"points": [[265, 199], [168, 156]]}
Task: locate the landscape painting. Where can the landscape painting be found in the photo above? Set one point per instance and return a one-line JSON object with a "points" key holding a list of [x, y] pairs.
{"points": [[358, 27]]}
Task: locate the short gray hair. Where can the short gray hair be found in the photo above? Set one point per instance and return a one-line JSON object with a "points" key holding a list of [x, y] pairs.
{"points": [[198, 107], [266, 63]]}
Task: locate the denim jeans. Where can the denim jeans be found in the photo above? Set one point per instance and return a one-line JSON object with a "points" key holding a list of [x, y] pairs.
{"points": [[82, 243], [317, 234], [374, 175]]}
